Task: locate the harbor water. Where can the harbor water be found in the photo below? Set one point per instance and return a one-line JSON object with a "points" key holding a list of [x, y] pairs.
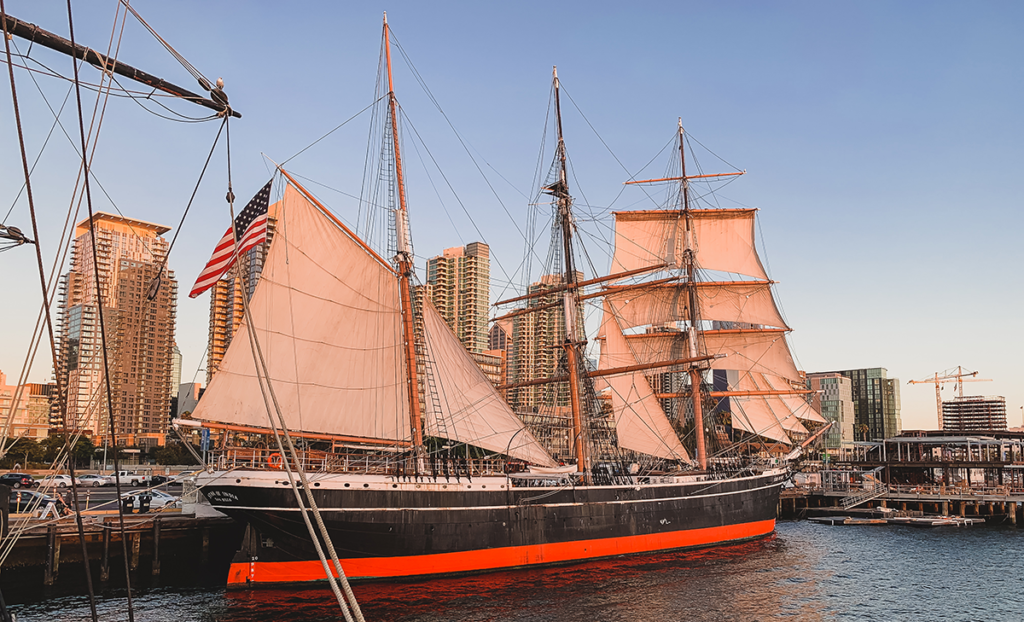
{"points": [[806, 571]]}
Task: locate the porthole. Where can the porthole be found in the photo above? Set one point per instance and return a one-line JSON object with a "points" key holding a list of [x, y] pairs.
{"points": [[394, 485], [238, 481], [346, 485], [316, 484], [366, 485]]}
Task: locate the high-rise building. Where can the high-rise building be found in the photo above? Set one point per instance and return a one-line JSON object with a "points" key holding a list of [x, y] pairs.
{"points": [[226, 305], [534, 352], [175, 370], [139, 319], [459, 284], [972, 413], [25, 409], [833, 399], [876, 403]]}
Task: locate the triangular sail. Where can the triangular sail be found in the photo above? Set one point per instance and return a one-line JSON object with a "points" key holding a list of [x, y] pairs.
{"points": [[640, 422], [326, 315], [468, 408]]}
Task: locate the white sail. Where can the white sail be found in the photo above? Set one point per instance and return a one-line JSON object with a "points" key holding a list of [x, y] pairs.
{"points": [[327, 317], [797, 403], [757, 415], [751, 350], [640, 422], [723, 240], [468, 408], [748, 302]]}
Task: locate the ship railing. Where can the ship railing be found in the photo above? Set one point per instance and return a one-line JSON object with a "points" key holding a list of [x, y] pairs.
{"points": [[372, 463]]}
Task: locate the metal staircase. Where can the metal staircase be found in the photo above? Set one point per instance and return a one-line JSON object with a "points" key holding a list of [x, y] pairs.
{"points": [[872, 489]]}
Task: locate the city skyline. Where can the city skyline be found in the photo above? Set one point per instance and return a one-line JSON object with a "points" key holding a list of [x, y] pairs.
{"points": [[879, 146]]}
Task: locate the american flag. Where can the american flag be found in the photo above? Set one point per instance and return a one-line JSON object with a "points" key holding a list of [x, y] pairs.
{"points": [[251, 228]]}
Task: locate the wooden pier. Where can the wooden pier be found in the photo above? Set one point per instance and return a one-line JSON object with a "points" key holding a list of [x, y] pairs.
{"points": [[178, 548]]}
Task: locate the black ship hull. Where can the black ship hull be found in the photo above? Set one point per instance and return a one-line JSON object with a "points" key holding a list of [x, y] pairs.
{"points": [[384, 528]]}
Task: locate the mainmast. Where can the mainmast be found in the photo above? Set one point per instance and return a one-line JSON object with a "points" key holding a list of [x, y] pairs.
{"points": [[573, 343], [696, 378], [405, 265]]}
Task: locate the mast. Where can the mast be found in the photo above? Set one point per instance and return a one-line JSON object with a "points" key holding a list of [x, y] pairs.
{"points": [[691, 287], [560, 190], [405, 266]]}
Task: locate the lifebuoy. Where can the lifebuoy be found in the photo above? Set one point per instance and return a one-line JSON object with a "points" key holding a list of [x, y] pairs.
{"points": [[275, 461]]}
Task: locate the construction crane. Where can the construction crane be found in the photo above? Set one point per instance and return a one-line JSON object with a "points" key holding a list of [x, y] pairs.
{"points": [[959, 377]]}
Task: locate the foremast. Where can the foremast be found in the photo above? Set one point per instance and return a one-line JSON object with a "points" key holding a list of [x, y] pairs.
{"points": [[570, 295], [404, 266], [695, 342]]}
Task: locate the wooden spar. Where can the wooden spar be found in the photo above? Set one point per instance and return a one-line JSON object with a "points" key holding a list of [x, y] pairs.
{"points": [[608, 372], [611, 290], [663, 396], [334, 219], [404, 265], [318, 436], [687, 178], [35, 34], [578, 284]]}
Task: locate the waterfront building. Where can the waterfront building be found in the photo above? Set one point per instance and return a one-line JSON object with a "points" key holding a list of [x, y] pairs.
{"points": [[139, 322], [876, 403], [833, 399], [25, 409], [226, 304], [972, 413], [459, 283]]}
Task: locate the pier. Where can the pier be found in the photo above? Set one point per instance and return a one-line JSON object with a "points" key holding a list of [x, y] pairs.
{"points": [[934, 472]]}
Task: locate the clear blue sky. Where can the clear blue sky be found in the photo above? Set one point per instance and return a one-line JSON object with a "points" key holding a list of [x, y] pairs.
{"points": [[883, 143]]}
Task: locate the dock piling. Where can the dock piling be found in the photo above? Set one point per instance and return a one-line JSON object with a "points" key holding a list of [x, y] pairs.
{"points": [[156, 547], [105, 566]]}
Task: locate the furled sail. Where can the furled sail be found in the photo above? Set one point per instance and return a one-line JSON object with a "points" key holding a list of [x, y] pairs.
{"points": [[722, 238], [468, 408], [640, 422], [748, 302], [327, 317]]}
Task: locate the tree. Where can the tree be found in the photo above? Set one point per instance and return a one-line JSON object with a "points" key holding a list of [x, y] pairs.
{"points": [[864, 430], [53, 445], [22, 451], [175, 452]]}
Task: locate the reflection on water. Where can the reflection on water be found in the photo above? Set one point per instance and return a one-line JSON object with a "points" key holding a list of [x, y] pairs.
{"points": [[806, 572]]}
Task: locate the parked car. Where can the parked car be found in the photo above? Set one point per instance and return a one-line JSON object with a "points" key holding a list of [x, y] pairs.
{"points": [[133, 478], [18, 480], [59, 481], [156, 480], [158, 499], [96, 480], [180, 478], [25, 500]]}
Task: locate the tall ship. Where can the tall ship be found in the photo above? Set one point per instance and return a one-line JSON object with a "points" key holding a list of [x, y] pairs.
{"points": [[387, 449]]}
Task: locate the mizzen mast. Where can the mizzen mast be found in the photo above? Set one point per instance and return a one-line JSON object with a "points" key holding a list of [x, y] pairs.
{"points": [[404, 264], [570, 296]]}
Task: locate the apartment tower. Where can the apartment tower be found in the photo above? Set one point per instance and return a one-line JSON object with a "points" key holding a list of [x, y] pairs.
{"points": [[139, 319]]}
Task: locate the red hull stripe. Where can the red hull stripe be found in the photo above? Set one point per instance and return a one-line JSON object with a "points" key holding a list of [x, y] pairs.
{"points": [[493, 559]]}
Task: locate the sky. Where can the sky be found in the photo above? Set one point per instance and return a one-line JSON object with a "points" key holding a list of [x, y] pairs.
{"points": [[882, 143]]}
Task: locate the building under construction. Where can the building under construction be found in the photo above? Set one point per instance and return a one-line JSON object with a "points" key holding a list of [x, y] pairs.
{"points": [[973, 413]]}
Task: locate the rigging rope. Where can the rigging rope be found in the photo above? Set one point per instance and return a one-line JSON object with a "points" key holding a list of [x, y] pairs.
{"points": [[99, 309], [262, 366]]}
